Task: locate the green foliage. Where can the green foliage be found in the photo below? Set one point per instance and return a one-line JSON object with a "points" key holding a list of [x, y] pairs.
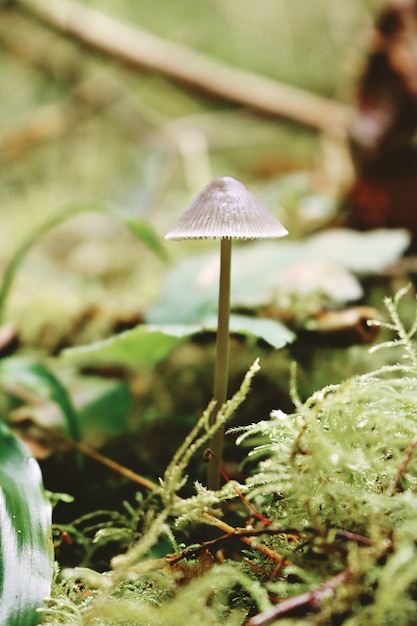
{"points": [[144, 346], [138, 583], [190, 509], [141, 229], [337, 479], [343, 463], [105, 405], [22, 375], [149, 344], [123, 133], [26, 556], [320, 270]]}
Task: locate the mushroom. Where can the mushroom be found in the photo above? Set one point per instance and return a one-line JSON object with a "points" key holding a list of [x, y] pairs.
{"points": [[224, 208]]}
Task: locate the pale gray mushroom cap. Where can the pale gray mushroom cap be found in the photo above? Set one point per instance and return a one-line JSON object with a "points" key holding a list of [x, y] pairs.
{"points": [[226, 208]]}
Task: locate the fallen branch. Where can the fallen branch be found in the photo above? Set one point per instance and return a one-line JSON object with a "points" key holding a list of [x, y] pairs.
{"points": [[142, 49]]}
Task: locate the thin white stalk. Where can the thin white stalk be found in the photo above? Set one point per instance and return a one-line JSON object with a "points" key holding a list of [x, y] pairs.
{"points": [[222, 359]]}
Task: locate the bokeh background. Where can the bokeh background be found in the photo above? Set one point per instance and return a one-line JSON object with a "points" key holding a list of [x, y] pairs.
{"points": [[82, 126]]}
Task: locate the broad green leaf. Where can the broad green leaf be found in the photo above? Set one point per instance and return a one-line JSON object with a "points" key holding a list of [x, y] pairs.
{"points": [[37, 379], [361, 252], [26, 554], [190, 291], [145, 345], [326, 280], [103, 405], [272, 332], [322, 266]]}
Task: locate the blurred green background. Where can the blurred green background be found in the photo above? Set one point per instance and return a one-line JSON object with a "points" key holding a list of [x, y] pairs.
{"points": [[80, 126]]}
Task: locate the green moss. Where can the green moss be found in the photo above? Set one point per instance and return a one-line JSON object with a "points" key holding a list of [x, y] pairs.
{"points": [[337, 479]]}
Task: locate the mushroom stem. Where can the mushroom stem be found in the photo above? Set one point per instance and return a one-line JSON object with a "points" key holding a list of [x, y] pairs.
{"points": [[222, 360], [224, 208]]}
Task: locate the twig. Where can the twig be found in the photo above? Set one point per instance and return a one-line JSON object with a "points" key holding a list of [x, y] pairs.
{"points": [[91, 88], [210, 454], [347, 534], [91, 91], [403, 466], [104, 460], [238, 533], [142, 49], [53, 436], [310, 599], [250, 541]]}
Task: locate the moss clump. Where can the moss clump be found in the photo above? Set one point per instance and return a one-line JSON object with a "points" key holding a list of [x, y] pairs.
{"points": [[343, 463], [337, 482]]}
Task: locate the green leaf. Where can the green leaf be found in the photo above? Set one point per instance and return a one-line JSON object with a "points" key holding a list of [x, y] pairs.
{"points": [[190, 291], [145, 233], [263, 271], [361, 252], [149, 344], [37, 379], [26, 554], [272, 332], [103, 405], [145, 345]]}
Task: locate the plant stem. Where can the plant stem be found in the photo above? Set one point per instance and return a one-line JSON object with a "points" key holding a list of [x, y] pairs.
{"points": [[222, 360]]}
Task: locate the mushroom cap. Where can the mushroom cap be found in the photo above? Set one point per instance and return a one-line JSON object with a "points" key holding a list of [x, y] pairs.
{"points": [[226, 208]]}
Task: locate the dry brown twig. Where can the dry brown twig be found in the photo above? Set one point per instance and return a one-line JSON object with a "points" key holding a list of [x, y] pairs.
{"points": [[30, 431], [250, 541], [238, 533], [403, 466], [309, 600], [142, 49]]}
